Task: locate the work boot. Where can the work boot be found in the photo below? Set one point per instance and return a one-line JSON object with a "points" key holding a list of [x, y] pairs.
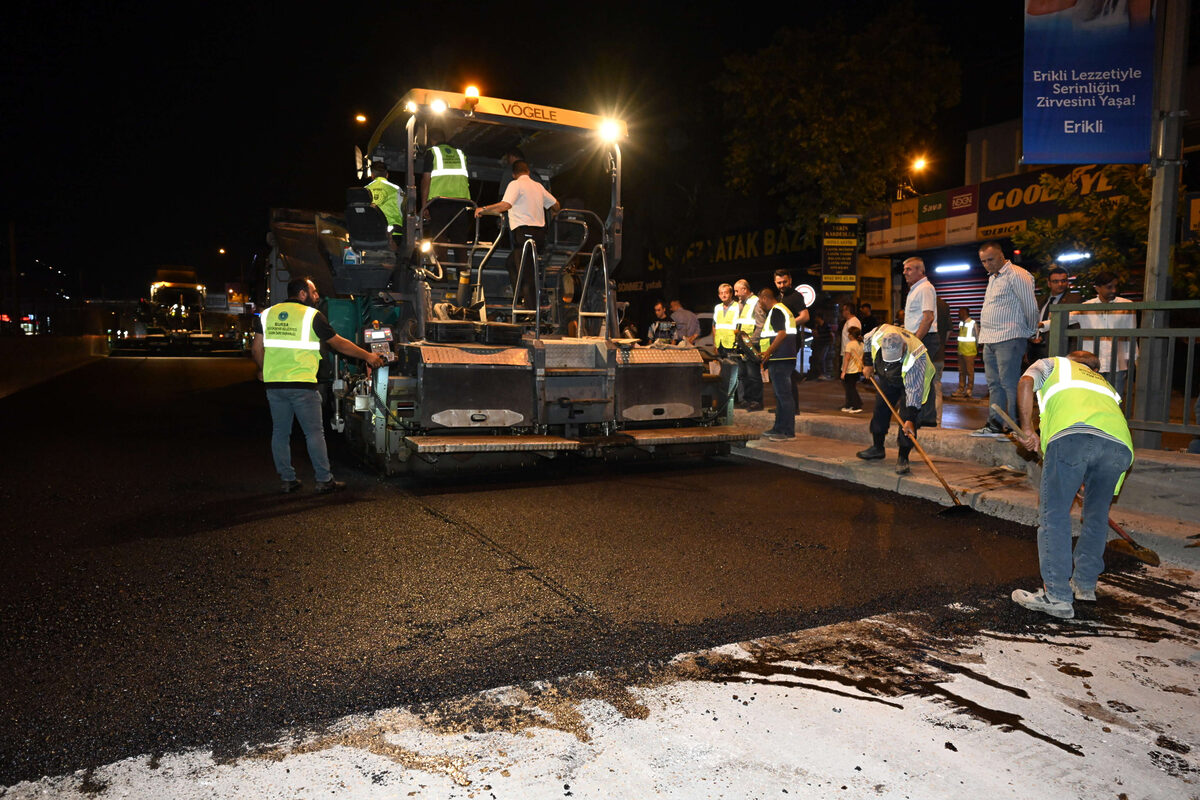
{"points": [[755, 407], [902, 466], [872, 453], [330, 486], [1038, 601], [287, 487]]}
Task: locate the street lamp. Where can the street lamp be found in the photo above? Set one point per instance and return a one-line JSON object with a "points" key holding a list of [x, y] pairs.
{"points": [[905, 187]]}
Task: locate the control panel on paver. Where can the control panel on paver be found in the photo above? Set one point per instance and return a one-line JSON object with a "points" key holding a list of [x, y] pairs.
{"points": [[379, 340]]}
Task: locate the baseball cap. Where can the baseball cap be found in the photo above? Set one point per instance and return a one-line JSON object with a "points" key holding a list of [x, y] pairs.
{"points": [[891, 347]]}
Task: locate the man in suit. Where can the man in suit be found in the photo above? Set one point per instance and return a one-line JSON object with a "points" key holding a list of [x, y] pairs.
{"points": [[1060, 292]]}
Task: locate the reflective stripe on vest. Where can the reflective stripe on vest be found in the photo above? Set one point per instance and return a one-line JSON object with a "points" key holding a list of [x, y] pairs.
{"points": [[746, 315], [725, 320], [966, 331], [448, 178], [768, 333], [291, 349], [1072, 394]]}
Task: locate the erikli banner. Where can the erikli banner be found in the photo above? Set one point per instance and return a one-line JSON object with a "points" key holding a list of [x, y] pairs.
{"points": [[1089, 81]]}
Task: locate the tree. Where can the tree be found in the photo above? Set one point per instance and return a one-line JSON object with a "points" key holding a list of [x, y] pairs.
{"points": [[1112, 227], [824, 119]]}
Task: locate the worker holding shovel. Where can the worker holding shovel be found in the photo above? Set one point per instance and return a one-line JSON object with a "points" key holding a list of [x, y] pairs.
{"points": [[1085, 441], [906, 374]]}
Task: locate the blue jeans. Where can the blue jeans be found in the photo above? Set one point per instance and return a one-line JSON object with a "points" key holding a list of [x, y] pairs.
{"points": [[305, 406], [1072, 460], [1002, 365], [780, 370]]}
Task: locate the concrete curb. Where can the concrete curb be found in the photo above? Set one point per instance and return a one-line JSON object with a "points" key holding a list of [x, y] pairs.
{"points": [[996, 491]]}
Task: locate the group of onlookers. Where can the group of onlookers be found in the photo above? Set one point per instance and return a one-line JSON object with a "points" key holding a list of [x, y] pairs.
{"points": [[1011, 332]]}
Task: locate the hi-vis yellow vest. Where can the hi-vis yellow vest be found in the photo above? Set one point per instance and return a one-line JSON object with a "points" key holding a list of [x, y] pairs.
{"points": [[745, 319], [386, 195], [966, 338], [1074, 394], [768, 333], [725, 321], [449, 175], [291, 349]]}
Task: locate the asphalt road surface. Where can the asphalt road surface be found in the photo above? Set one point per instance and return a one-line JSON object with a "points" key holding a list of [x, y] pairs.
{"points": [[159, 593]]}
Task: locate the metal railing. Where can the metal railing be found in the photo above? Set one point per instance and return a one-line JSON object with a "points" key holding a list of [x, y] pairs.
{"points": [[598, 253], [1150, 356], [529, 254]]}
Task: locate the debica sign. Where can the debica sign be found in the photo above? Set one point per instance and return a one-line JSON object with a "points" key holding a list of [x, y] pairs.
{"points": [[1089, 81]]}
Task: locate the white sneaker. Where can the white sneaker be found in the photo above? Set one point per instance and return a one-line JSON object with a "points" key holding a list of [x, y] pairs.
{"points": [[1083, 594], [845, 408], [1037, 601], [854, 410], [988, 432]]}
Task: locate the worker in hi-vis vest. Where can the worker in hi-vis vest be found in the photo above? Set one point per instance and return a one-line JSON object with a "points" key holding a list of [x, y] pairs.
{"points": [[287, 348], [445, 176], [967, 350], [777, 340], [725, 321], [386, 195], [902, 370], [749, 323], [1085, 442]]}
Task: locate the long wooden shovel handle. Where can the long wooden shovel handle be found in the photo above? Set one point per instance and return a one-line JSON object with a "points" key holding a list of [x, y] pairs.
{"points": [[916, 444]]}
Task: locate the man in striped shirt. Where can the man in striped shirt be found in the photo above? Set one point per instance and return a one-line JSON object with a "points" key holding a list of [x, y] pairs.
{"points": [[1008, 319]]}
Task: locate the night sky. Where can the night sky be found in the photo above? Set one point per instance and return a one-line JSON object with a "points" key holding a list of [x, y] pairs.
{"points": [[144, 134]]}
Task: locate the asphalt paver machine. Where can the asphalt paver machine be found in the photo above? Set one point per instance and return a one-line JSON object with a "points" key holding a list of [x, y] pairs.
{"points": [[472, 378]]}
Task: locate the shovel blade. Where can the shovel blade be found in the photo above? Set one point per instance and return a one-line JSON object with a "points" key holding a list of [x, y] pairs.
{"points": [[957, 510]]}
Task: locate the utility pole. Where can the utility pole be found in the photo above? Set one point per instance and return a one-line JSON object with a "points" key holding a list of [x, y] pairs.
{"points": [[1166, 162]]}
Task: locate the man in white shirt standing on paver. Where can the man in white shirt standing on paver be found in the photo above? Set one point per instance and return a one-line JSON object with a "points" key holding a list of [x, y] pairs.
{"points": [[1008, 319], [526, 202]]}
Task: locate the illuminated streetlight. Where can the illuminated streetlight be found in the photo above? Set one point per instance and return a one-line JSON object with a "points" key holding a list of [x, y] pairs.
{"points": [[221, 250], [360, 118], [919, 163]]}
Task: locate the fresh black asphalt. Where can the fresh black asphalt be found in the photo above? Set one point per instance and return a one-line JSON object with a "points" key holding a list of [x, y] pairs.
{"points": [[159, 593]]}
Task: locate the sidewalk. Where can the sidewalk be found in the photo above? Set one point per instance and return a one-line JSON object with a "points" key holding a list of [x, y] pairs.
{"points": [[1159, 505]]}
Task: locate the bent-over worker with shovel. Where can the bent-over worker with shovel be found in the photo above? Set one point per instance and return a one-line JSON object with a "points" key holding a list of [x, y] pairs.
{"points": [[1085, 440], [906, 372]]}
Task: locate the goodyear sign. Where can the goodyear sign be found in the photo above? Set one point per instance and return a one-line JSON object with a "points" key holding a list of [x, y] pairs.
{"points": [[990, 210]]}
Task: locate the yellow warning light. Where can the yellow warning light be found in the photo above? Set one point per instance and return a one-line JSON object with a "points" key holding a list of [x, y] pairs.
{"points": [[471, 97]]}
